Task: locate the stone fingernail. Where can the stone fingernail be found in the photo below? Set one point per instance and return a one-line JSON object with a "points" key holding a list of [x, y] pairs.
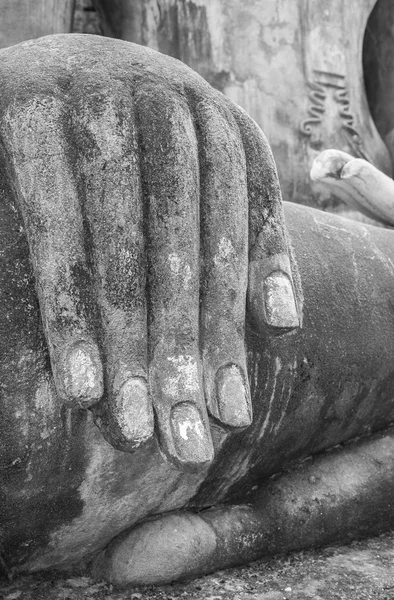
{"points": [[280, 306], [83, 375], [192, 442], [233, 397], [134, 411]]}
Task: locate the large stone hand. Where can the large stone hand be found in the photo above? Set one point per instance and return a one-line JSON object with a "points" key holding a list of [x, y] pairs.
{"points": [[138, 185]]}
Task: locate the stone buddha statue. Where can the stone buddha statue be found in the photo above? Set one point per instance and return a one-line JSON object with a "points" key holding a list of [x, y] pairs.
{"points": [[172, 334]]}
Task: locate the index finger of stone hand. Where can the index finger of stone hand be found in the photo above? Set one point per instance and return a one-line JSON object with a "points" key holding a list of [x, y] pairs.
{"points": [[33, 133], [274, 294], [110, 178], [224, 232], [170, 175]]}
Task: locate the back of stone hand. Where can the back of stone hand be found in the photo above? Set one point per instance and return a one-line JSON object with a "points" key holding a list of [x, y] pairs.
{"points": [[109, 470]]}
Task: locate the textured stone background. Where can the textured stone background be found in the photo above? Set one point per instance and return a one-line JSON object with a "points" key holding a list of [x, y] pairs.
{"points": [[86, 19]]}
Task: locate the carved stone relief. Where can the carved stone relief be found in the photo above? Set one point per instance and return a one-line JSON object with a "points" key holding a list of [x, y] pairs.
{"points": [[329, 101]]}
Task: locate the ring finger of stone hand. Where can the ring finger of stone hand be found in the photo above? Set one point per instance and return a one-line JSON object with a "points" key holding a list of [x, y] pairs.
{"points": [[224, 233]]}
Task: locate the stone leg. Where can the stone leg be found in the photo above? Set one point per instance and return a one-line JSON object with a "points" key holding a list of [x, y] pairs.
{"points": [[336, 497]]}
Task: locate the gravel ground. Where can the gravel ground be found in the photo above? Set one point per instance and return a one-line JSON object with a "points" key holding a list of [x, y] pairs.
{"points": [[363, 570]]}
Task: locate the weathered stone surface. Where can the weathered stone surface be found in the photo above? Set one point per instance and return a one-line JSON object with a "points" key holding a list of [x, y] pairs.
{"points": [[309, 506], [137, 204], [139, 190], [98, 160]]}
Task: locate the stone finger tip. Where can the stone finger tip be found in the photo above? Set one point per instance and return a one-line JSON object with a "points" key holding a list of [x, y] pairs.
{"points": [[82, 376], [133, 412], [233, 397], [279, 302], [191, 439]]}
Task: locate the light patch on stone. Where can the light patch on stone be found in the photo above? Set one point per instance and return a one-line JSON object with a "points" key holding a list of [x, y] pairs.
{"points": [[184, 427], [82, 376], [175, 263], [107, 132], [181, 269], [278, 367], [280, 307], [82, 370], [192, 441], [226, 253], [135, 411], [187, 276], [186, 378], [233, 397]]}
